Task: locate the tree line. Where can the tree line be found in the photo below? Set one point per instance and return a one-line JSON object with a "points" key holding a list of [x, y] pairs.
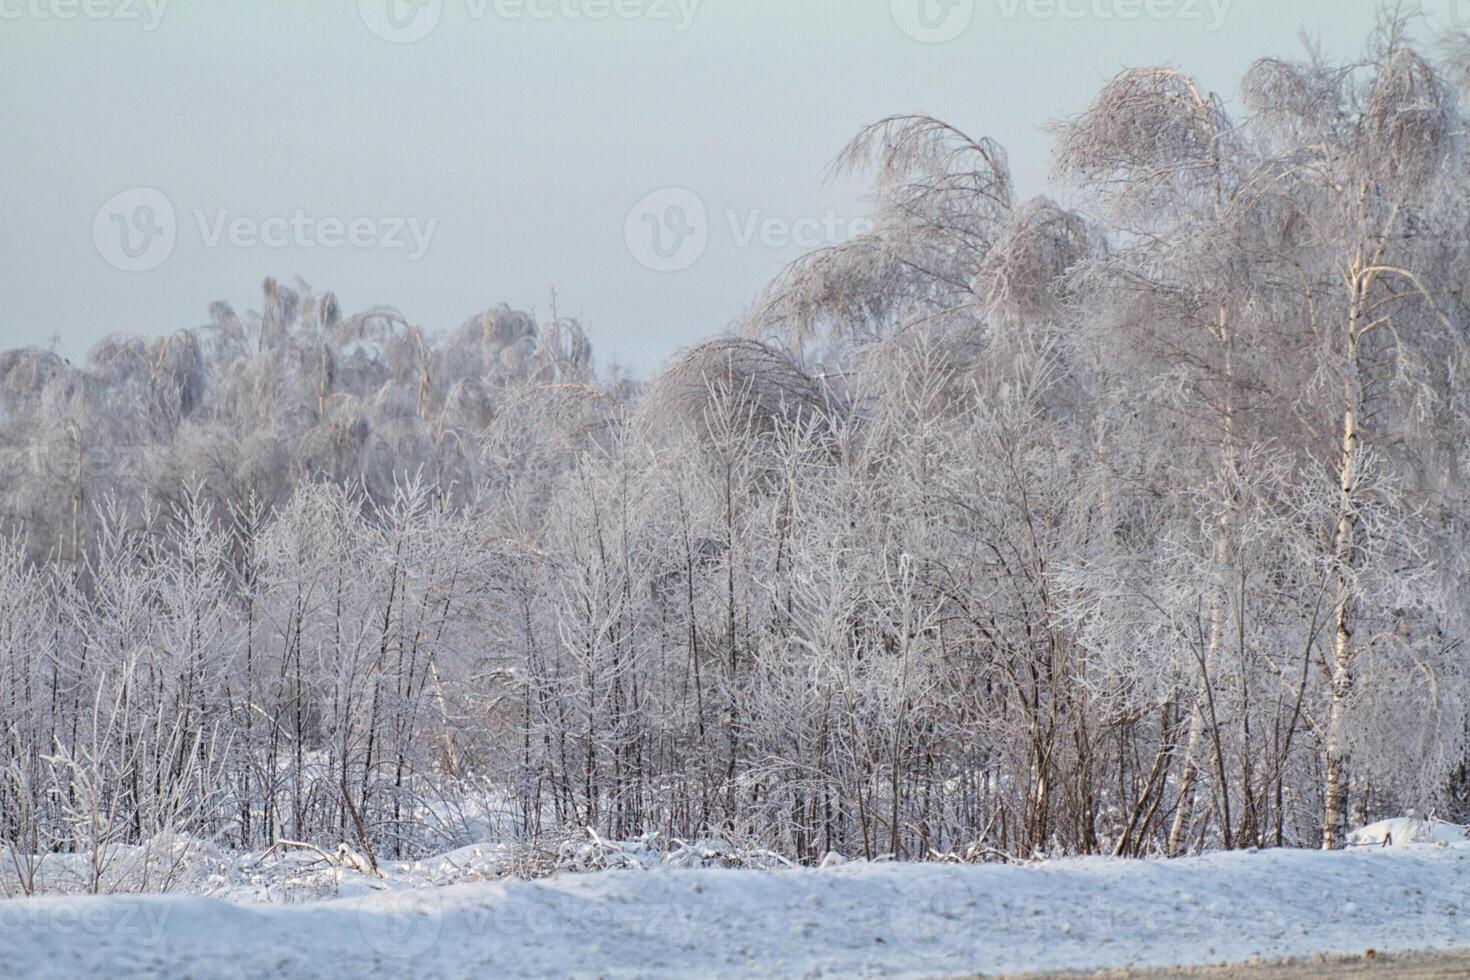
{"points": [[1007, 528]]}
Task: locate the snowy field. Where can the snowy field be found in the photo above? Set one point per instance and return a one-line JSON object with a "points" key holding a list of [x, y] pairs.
{"points": [[854, 919]]}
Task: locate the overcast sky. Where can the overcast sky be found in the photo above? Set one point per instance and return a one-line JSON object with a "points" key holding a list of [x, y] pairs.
{"points": [[656, 161]]}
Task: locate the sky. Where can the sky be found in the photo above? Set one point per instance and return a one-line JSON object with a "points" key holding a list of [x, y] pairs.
{"points": [[653, 163]]}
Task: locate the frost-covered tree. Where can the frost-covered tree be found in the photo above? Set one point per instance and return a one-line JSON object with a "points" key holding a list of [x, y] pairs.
{"points": [[1131, 526]]}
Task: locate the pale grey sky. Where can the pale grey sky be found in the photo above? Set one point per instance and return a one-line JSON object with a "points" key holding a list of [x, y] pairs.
{"points": [[504, 151]]}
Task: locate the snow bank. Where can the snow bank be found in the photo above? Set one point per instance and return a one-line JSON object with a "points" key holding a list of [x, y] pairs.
{"points": [[1400, 831], [847, 919]]}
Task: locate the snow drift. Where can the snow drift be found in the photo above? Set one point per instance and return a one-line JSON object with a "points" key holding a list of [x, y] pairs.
{"points": [[843, 920]]}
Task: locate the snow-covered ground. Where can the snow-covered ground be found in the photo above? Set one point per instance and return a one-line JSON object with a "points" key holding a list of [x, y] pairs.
{"points": [[853, 919], [1399, 831]]}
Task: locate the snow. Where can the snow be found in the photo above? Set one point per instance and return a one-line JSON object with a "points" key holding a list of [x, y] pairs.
{"points": [[848, 919], [1399, 831]]}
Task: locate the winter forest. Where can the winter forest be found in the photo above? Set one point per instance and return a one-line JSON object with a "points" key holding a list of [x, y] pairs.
{"points": [[1004, 529]]}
